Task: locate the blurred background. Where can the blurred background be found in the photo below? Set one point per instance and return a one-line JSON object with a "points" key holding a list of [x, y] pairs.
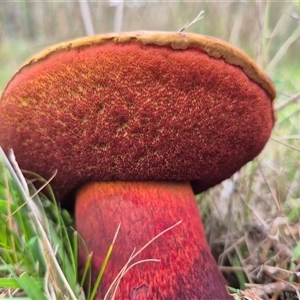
{"points": [[259, 28], [254, 217]]}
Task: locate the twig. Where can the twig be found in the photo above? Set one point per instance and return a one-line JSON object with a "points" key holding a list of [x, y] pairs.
{"points": [[198, 18]]}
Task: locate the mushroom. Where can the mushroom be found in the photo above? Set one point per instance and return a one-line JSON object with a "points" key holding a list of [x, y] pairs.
{"points": [[135, 123]]}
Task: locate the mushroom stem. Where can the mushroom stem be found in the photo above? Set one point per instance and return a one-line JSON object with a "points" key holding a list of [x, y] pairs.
{"points": [[186, 269]]}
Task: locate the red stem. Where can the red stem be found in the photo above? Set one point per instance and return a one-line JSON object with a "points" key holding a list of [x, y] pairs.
{"points": [[186, 269]]}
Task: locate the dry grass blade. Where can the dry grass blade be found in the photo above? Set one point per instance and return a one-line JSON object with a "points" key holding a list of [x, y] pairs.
{"points": [[288, 137], [292, 99], [113, 287], [9, 212], [285, 144], [261, 11], [271, 288], [110, 295], [245, 295], [283, 49]]}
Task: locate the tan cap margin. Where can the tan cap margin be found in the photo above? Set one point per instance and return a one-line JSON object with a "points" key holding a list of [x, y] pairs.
{"points": [[177, 40]]}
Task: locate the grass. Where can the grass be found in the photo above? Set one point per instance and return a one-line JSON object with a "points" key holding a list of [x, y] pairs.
{"points": [[253, 219], [258, 225], [37, 243], [259, 222], [39, 247]]}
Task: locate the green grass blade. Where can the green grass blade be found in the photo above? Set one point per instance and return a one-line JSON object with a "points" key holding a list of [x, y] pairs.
{"points": [[31, 287], [11, 283], [104, 264]]}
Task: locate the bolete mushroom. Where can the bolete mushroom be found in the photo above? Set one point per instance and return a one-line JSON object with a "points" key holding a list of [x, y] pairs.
{"points": [[132, 121]]}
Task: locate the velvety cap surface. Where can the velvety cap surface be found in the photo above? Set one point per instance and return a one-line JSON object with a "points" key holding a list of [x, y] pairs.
{"points": [[137, 106]]}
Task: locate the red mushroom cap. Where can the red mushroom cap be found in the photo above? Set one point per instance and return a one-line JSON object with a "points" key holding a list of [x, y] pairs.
{"points": [[137, 106]]}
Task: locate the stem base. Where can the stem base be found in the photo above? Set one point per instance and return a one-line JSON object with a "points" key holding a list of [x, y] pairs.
{"points": [[186, 269]]}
